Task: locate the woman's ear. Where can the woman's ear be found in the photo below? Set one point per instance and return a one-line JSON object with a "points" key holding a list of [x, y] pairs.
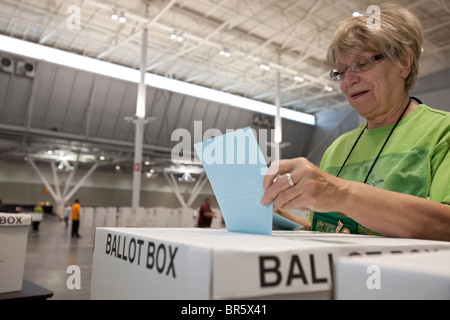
{"points": [[406, 63]]}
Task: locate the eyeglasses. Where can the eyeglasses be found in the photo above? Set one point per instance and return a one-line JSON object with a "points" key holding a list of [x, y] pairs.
{"points": [[359, 65]]}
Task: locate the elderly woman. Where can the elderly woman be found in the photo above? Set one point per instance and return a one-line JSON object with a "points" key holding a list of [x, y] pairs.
{"points": [[390, 176]]}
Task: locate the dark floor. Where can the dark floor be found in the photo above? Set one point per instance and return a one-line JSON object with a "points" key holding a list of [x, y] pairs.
{"points": [[51, 250]]}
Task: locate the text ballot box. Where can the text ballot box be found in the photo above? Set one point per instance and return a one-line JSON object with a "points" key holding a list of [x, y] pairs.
{"points": [[14, 230], [194, 263]]}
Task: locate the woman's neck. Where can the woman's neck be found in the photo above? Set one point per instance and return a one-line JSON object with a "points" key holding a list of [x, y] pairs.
{"points": [[394, 112]]}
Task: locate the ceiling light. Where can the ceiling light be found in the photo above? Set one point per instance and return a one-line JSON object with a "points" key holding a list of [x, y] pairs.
{"points": [[65, 165], [356, 14], [120, 17], [299, 78], [177, 36], [102, 158], [72, 60], [225, 53], [328, 88], [117, 168], [187, 177], [264, 67]]}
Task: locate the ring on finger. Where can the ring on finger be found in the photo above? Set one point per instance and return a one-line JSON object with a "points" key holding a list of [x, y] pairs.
{"points": [[288, 177]]}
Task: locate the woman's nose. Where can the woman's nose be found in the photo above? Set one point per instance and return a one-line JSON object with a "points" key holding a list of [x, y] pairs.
{"points": [[350, 79]]}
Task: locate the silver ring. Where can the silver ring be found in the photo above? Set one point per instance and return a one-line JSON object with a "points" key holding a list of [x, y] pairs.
{"points": [[289, 178]]}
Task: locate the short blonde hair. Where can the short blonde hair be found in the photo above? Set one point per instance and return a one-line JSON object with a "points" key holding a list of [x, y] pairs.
{"points": [[399, 31]]}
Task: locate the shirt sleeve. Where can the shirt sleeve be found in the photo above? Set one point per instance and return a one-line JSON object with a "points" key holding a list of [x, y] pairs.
{"points": [[440, 184]]}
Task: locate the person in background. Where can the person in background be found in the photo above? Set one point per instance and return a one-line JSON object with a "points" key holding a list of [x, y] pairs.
{"points": [[35, 222], [76, 208], [391, 175], [67, 214], [38, 208], [205, 214]]}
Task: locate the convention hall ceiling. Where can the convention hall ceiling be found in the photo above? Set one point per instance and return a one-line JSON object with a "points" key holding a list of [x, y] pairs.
{"points": [[235, 46]]}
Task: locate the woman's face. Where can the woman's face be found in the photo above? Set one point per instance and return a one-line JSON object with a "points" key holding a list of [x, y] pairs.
{"points": [[374, 91]]}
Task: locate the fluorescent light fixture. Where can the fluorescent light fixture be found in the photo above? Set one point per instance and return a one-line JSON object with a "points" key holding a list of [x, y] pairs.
{"points": [[121, 18], [264, 67], [68, 59], [225, 53], [225, 98], [177, 37]]}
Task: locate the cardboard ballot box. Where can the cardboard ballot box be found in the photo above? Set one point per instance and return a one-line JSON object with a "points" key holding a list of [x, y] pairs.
{"points": [[194, 263], [406, 276], [13, 246]]}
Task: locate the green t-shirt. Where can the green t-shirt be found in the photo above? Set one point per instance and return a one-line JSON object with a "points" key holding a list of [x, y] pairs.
{"points": [[416, 159]]}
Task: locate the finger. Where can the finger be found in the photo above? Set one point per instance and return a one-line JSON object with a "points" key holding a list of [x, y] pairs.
{"points": [[278, 185], [288, 177], [275, 169], [271, 192], [294, 204], [272, 172], [285, 197]]}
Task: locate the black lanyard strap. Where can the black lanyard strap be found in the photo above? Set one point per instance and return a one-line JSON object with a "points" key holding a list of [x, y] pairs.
{"points": [[384, 144]]}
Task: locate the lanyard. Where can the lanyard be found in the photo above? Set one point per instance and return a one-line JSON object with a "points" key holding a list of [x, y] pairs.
{"points": [[379, 153]]}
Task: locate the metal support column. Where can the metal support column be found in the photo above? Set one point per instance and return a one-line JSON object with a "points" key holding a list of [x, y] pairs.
{"points": [[139, 122], [61, 198], [80, 183], [197, 188], [173, 184], [278, 131]]}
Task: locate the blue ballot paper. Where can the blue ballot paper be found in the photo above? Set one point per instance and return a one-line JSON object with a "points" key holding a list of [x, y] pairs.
{"points": [[235, 167]]}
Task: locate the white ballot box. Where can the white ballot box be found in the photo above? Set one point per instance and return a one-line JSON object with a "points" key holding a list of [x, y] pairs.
{"points": [[13, 246], [405, 276], [195, 263]]}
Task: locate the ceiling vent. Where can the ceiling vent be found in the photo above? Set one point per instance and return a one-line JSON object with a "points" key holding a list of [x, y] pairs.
{"points": [[6, 64], [24, 68]]}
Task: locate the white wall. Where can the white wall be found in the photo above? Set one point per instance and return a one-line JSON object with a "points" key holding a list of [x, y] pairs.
{"points": [[434, 90], [436, 99], [330, 125]]}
